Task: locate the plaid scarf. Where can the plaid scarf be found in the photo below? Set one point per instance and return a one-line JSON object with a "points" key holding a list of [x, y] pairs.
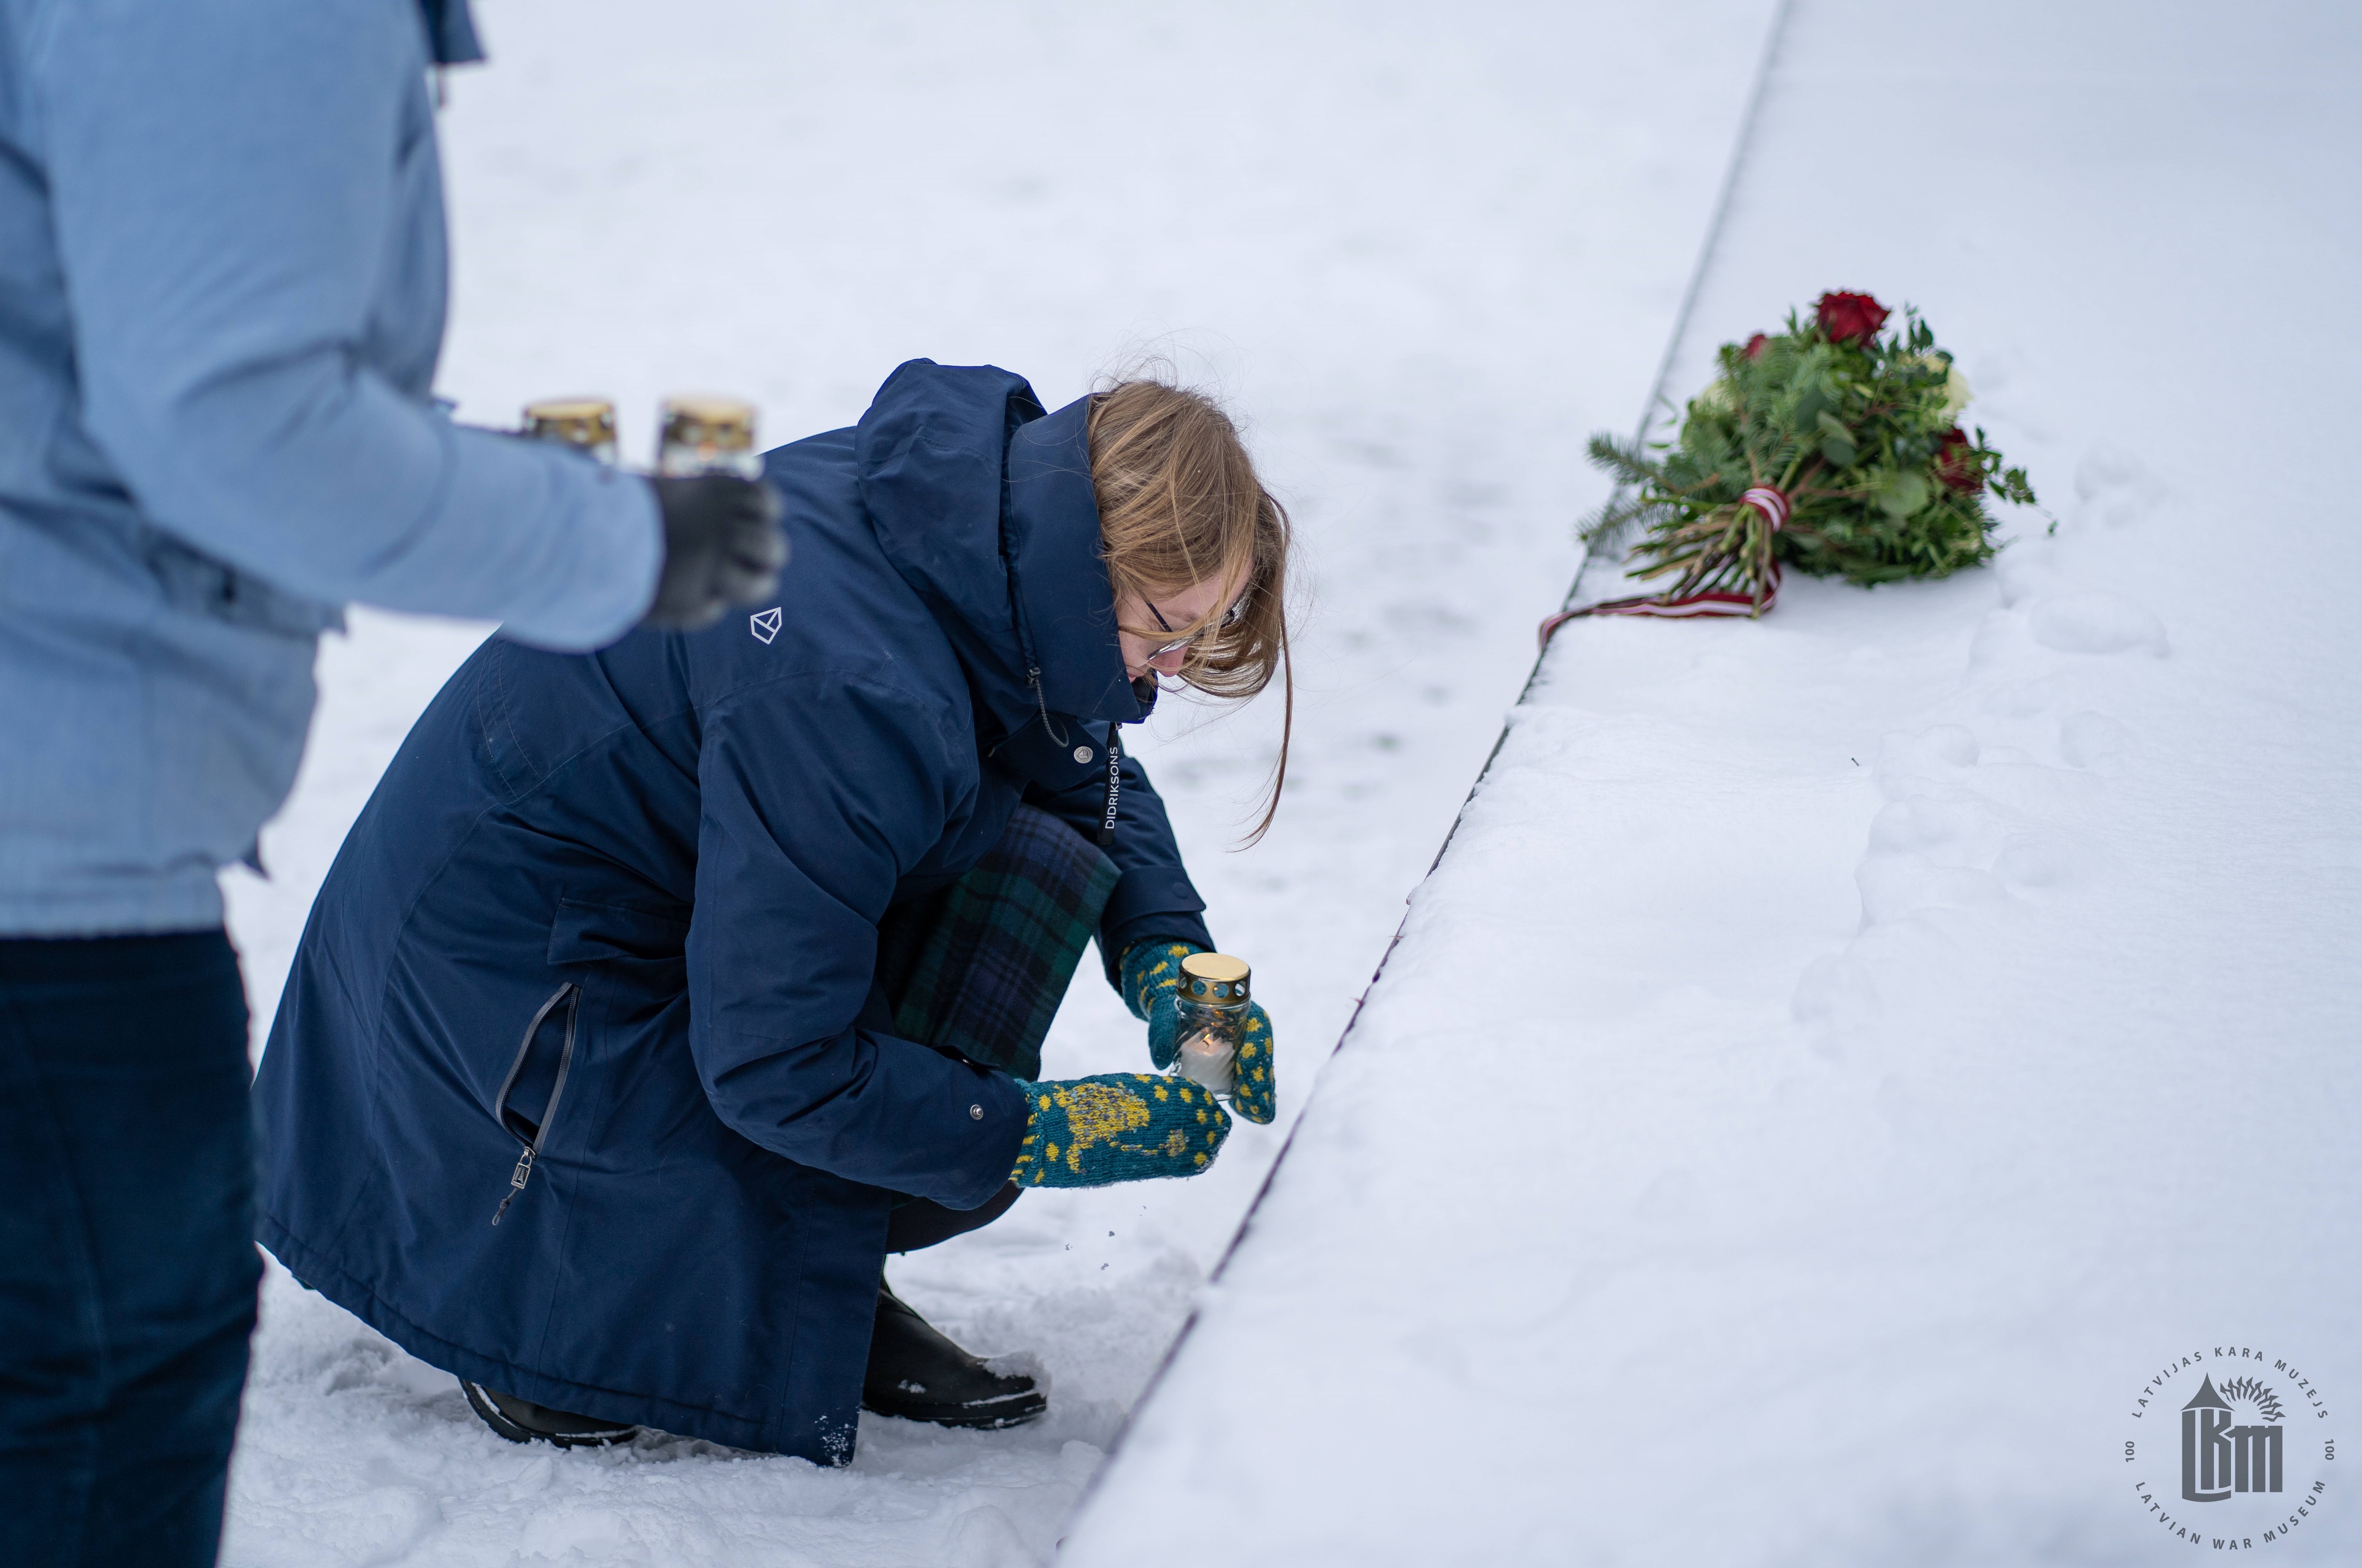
{"points": [[981, 966]]}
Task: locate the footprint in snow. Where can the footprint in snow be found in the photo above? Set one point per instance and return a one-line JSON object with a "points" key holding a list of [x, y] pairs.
{"points": [[1895, 885], [2034, 863], [1923, 823], [1839, 993], [2096, 622], [2028, 570], [2116, 487], [1909, 765]]}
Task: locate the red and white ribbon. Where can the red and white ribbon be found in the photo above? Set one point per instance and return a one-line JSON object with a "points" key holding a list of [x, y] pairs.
{"points": [[1768, 503], [1688, 607]]}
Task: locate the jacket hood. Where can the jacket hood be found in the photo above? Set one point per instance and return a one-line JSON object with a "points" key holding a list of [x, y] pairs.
{"points": [[983, 505]]}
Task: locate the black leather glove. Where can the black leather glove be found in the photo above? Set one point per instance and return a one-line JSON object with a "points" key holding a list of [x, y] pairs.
{"points": [[724, 546]]}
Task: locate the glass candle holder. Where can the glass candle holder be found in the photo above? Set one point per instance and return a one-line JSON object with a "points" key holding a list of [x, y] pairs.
{"points": [[585, 423], [1212, 1003], [708, 435]]}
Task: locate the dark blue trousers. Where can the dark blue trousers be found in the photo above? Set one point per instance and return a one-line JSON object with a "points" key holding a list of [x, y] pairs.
{"points": [[127, 1266]]}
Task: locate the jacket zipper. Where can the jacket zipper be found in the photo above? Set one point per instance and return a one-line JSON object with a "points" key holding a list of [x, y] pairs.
{"points": [[571, 995]]}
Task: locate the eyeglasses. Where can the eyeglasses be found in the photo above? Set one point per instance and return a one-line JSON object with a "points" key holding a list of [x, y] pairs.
{"points": [[1231, 618]]}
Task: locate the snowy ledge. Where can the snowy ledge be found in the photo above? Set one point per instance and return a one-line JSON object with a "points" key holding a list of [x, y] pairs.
{"points": [[1853, 1074]]}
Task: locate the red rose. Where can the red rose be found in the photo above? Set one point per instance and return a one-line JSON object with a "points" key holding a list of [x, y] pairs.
{"points": [[1754, 349], [1850, 318], [1954, 466]]}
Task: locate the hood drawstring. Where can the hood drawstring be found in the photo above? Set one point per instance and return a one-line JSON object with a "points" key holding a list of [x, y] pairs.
{"points": [[1034, 678]]}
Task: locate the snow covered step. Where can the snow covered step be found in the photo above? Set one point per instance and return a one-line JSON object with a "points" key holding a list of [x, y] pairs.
{"points": [[1853, 1076]]}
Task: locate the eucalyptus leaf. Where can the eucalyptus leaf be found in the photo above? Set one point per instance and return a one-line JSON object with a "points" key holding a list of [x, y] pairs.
{"points": [[1837, 442], [1901, 493]]}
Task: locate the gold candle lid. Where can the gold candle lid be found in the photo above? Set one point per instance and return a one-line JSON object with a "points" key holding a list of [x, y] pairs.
{"points": [[724, 424], [1215, 977], [584, 422]]}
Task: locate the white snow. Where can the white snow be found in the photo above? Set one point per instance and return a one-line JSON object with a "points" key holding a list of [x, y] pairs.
{"points": [[1424, 252], [1843, 1059]]}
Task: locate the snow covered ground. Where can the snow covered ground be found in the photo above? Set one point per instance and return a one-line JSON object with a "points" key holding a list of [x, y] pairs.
{"points": [[1423, 252], [1854, 1074]]}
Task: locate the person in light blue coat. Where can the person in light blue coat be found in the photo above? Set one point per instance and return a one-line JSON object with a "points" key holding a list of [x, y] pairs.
{"points": [[222, 280]]}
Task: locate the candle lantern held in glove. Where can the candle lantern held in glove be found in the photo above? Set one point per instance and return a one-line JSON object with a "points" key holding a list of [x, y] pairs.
{"points": [[708, 435], [585, 423], [1212, 1003]]}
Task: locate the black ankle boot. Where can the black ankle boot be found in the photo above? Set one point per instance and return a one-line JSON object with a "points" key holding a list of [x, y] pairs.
{"points": [[915, 1373], [522, 1420]]}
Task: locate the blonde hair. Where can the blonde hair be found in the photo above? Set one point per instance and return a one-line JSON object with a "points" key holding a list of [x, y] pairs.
{"points": [[1180, 504]]}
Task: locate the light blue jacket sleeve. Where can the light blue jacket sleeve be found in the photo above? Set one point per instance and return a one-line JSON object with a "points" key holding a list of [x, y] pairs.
{"points": [[242, 192]]}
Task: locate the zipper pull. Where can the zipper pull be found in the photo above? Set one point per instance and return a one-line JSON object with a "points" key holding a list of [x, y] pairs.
{"points": [[517, 1178]]}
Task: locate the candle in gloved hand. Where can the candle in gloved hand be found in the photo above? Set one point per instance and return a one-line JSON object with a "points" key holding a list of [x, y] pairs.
{"points": [[585, 423], [1212, 1003], [708, 435]]}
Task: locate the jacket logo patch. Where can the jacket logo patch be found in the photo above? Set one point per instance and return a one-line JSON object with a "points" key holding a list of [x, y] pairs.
{"points": [[765, 624]]}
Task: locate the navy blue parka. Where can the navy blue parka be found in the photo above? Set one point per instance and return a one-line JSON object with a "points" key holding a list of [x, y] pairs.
{"points": [[628, 902]]}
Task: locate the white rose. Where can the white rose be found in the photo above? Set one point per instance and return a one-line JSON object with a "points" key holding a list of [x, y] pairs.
{"points": [[1957, 395]]}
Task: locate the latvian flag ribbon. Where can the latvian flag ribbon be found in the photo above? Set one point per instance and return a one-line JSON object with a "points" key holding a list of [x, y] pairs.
{"points": [[1768, 503]]}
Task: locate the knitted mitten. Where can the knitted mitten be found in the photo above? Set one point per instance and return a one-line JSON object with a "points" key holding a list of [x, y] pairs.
{"points": [[1151, 974], [1117, 1127]]}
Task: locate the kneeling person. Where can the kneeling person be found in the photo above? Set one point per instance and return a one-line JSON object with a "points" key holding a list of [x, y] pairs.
{"points": [[659, 993]]}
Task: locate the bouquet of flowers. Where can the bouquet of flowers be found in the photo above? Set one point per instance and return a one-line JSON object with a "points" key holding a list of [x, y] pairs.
{"points": [[1833, 446]]}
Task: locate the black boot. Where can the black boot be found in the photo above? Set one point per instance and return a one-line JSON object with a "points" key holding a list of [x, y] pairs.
{"points": [[522, 1420], [915, 1373]]}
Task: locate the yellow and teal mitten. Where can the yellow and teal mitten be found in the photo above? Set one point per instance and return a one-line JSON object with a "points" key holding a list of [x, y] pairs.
{"points": [[1151, 977], [1115, 1127]]}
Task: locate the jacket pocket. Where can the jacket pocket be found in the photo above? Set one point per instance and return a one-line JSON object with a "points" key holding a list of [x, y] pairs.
{"points": [[528, 1101], [195, 582], [586, 933]]}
